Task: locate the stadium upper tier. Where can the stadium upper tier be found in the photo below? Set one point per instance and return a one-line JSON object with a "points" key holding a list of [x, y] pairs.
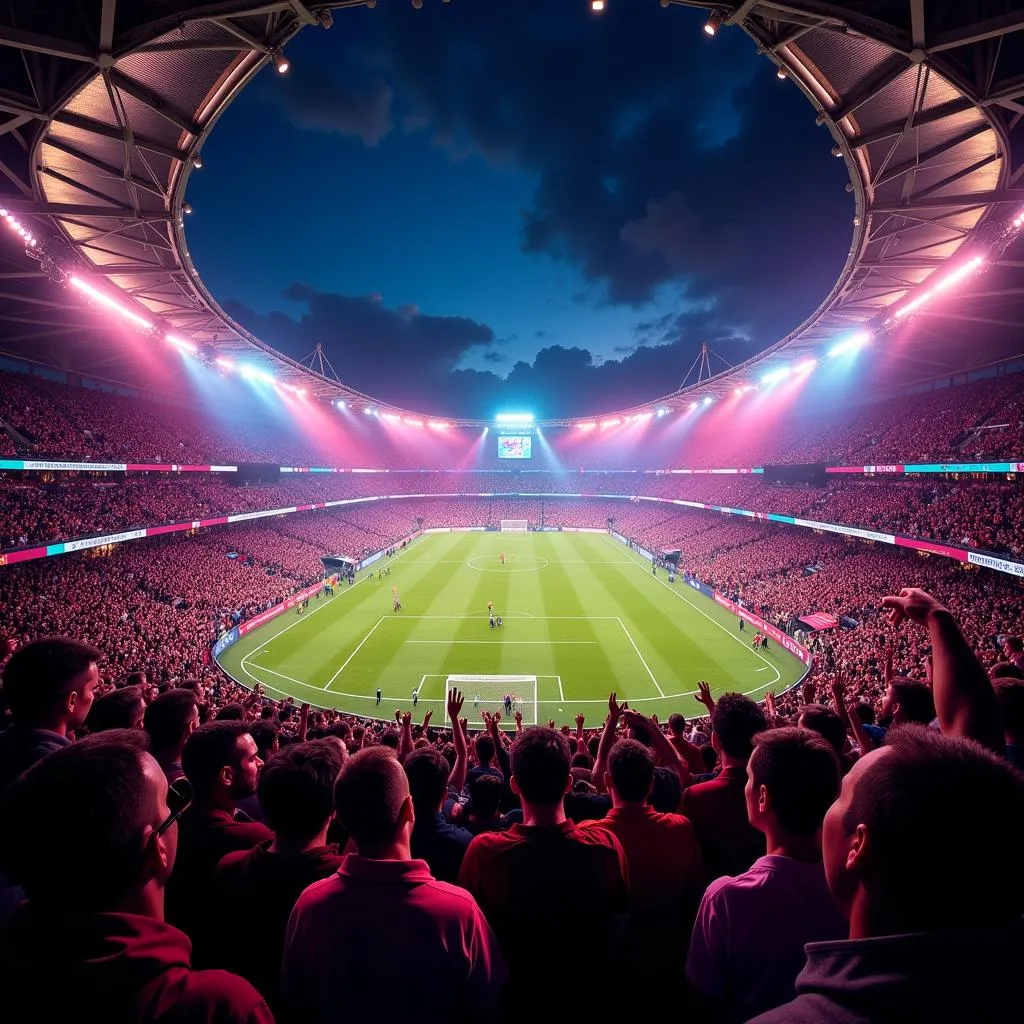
{"points": [[923, 108], [981, 421]]}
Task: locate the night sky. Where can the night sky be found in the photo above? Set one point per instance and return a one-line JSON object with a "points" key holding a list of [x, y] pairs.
{"points": [[519, 203]]}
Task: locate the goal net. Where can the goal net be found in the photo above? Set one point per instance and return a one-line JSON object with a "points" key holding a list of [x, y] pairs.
{"points": [[488, 693], [514, 525]]}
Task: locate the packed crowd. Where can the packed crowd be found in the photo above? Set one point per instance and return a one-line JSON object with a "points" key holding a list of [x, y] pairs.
{"points": [[979, 420], [965, 512], [187, 851]]}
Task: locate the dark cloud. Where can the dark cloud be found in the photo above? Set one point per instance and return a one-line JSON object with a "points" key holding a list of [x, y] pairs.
{"points": [[312, 97], [668, 167]]}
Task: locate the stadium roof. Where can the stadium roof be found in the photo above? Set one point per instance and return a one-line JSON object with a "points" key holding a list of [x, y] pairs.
{"points": [[109, 102]]}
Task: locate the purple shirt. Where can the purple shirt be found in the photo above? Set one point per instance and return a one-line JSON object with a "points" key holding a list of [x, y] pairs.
{"points": [[748, 941]]}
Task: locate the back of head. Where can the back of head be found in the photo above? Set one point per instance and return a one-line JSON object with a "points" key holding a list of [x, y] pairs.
{"points": [[736, 720], [41, 673], [368, 796], [485, 793], [540, 765], [71, 826], [208, 750], [230, 713], [427, 771], [631, 766], [296, 788], [169, 716], [825, 722], [800, 770], [484, 749], [676, 724], [119, 709], [265, 733], [917, 705], [943, 820]]}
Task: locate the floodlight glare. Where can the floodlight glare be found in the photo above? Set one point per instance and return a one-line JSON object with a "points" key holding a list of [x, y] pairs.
{"points": [[520, 418], [713, 23], [280, 62], [597, 6], [708, 399], [850, 344], [774, 376]]}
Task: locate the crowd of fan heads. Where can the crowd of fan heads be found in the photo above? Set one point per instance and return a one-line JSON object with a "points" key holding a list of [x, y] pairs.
{"points": [[279, 839]]}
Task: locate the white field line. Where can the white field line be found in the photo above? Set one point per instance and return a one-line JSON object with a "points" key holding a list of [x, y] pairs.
{"points": [[561, 692], [373, 629], [629, 637], [682, 596], [326, 604], [505, 643]]}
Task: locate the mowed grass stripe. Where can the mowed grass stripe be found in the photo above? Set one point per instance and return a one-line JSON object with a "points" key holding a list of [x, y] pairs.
{"points": [[582, 578]]}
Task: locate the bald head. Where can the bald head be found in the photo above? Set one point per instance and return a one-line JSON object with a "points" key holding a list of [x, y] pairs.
{"points": [[371, 798]]}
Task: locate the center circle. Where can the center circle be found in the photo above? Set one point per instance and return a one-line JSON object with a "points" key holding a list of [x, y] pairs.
{"points": [[513, 563]]}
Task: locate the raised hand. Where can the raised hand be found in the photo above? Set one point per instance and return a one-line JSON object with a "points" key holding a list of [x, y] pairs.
{"points": [[407, 720], [455, 702], [704, 695], [810, 692], [912, 603], [769, 703], [426, 718], [551, 723], [579, 723], [518, 716], [398, 715], [615, 709]]}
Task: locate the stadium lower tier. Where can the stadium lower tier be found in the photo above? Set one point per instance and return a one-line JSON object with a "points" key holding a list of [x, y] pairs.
{"points": [[158, 605]]}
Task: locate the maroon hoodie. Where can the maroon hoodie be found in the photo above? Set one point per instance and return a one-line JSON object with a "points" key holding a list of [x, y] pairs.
{"points": [[115, 968]]}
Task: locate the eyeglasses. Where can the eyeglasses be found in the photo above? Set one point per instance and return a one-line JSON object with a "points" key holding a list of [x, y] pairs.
{"points": [[179, 796]]}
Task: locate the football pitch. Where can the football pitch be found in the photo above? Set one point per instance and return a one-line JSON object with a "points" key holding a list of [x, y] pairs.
{"points": [[581, 612]]}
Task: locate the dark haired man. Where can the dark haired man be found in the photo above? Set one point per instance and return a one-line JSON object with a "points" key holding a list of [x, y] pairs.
{"points": [[922, 852], [90, 833], [49, 685], [253, 891], [169, 721], [729, 843], [666, 873], [534, 877], [119, 709], [440, 962], [748, 941], [220, 761], [434, 839]]}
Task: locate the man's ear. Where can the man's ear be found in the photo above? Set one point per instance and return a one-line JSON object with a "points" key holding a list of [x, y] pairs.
{"points": [[514, 785], [227, 776], [406, 814], [156, 856], [763, 799], [858, 856]]}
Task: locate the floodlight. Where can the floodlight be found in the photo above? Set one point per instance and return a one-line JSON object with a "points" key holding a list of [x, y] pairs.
{"points": [[713, 23], [597, 6], [520, 418], [280, 62], [774, 376]]}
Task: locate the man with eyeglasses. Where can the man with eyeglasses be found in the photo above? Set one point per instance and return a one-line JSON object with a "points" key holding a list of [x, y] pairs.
{"points": [[91, 833]]}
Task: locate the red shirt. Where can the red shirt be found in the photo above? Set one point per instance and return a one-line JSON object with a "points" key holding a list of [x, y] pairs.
{"points": [[718, 810], [204, 837], [383, 940], [666, 879], [115, 968], [252, 897], [531, 883]]}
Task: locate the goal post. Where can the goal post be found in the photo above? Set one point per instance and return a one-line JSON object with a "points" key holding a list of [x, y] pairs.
{"points": [[488, 693], [515, 525]]}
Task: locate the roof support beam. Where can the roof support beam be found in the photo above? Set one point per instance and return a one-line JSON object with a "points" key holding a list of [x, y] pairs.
{"points": [[887, 131], [884, 75], [107, 25], [143, 95], [971, 199], [48, 45], [928, 155], [917, 24], [976, 33], [31, 208], [115, 173], [107, 131]]}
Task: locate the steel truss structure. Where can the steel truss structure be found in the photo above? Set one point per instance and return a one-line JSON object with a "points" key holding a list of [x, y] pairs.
{"points": [[105, 106]]}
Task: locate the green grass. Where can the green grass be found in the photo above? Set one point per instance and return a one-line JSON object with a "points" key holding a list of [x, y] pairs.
{"points": [[582, 613]]}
